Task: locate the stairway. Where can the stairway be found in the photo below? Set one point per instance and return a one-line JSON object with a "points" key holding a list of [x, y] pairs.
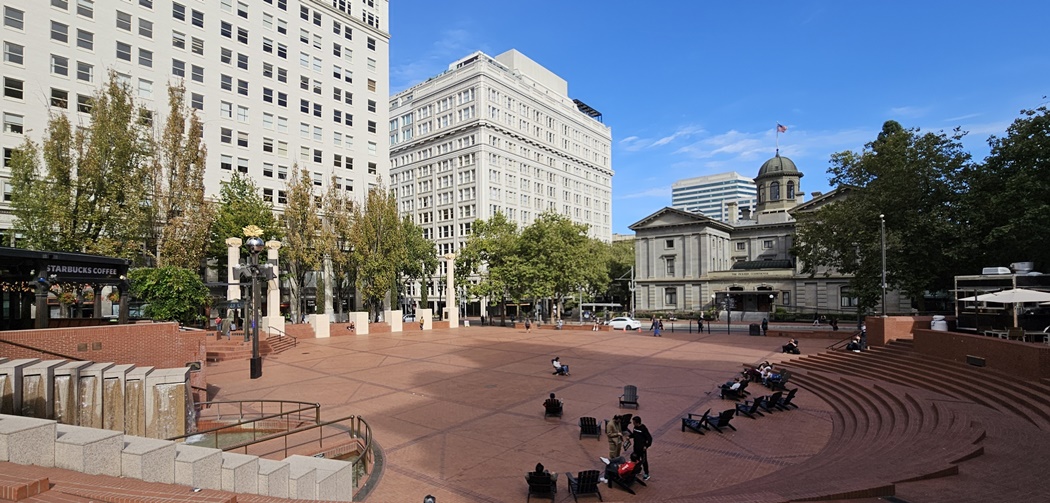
{"points": [[235, 348]]}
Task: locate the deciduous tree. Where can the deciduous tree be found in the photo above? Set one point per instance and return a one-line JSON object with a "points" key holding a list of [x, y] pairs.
{"points": [[239, 206], [377, 247], [303, 244], [338, 223]]}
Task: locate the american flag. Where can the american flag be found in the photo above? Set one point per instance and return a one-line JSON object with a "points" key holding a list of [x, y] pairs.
{"points": [[781, 128]]}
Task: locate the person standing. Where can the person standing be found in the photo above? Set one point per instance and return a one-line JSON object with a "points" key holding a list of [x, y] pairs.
{"points": [[765, 326], [612, 431], [641, 439], [528, 325], [655, 327]]}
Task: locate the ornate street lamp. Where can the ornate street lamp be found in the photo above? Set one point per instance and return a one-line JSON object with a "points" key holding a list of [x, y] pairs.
{"points": [[882, 220], [255, 245]]}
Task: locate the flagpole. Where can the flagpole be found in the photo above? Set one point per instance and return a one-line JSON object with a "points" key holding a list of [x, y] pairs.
{"points": [[777, 128]]}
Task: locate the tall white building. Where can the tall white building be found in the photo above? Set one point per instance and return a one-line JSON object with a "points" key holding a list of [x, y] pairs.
{"points": [[276, 82], [710, 195], [498, 135]]}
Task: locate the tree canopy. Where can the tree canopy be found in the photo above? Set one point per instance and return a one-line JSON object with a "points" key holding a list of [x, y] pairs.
{"points": [[378, 249], [239, 206]]}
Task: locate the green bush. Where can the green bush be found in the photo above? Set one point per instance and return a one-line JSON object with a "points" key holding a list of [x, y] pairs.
{"points": [[171, 293]]}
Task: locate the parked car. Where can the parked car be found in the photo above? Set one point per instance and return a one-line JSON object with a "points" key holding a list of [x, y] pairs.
{"points": [[408, 318], [625, 323]]}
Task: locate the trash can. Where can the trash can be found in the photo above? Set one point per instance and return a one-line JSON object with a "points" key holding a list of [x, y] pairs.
{"points": [[939, 323], [754, 329]]}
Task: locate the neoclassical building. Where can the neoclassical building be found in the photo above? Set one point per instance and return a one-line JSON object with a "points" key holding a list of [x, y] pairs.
{"points": [[685, 261]]}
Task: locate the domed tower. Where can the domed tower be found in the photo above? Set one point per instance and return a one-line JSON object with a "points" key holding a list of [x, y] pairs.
{"points": [[779, 189]]}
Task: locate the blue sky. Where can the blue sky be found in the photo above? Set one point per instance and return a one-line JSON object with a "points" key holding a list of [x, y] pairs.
{"points": [[696, 87]]}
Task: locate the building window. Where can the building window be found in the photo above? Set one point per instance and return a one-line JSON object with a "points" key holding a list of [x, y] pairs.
{"points": [[371, 44], [59, 98], [14, 18], [13, 53], [242, 140], [13, 88], [123, 51], [84, 103], [282, 197], [268, 195], [844, 298], [774, 191], [85, 72], [198, 19], [197, 46], [226, 135], [86, 8], [145, 89], [767, 244], [785, 298], [669, 244], [242, 87], [178, 68], [741, 246], [178, 11], [197, 101], [371, 85], [145, 28], [761, 193], [146, 58], [670, 296], [12, 123], [242, 165], [59, 65], [197, 73], [670, 266], [791, 191], [226, 162], [59, 32], [85, 40]]}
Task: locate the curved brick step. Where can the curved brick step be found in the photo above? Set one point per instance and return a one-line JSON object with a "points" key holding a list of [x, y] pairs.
{"points": [[1005, 391], [907, 352]]}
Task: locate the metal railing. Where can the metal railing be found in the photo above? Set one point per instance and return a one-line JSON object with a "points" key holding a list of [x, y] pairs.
{"points": [[42, 351], [246, 415], [281, 335]]}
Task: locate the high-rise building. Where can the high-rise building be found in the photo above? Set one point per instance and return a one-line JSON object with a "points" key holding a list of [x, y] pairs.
{"points": [[277, 83], [709, 195], [498, 135]]}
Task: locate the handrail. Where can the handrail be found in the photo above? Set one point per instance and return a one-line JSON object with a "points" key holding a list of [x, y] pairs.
{"points": [[240, 414], [282, 334], [835, 344], [44, 351]]}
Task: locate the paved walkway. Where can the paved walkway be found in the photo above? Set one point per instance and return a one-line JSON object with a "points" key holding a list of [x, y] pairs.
{"points": [[458, 413]]}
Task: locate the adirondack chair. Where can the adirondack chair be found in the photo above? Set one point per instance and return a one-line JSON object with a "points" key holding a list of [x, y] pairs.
{"points": [[584, 483], [552, 408], [625, 482], [695, 422], [589, 427], [542, 485], [629, 398], [750, 408], [779, 383], [786, 400], [769, 404], [720, 421], [725, 392]]}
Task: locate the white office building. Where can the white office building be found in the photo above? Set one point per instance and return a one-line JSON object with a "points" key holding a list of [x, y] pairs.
{"points": [[276, 82], [498, 135], [711, 195]]}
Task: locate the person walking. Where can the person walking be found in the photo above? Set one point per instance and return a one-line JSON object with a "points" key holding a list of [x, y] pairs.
{"points": [[528, 325], [765, 326], [655, 327], [641, 439]]}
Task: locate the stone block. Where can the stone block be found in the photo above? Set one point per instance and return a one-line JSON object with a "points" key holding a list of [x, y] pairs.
{"points": [[198, 466], [89, 450], [273, 478], [148, 459], [335, 479], [302, 480], [240, 473], [27, 440]]}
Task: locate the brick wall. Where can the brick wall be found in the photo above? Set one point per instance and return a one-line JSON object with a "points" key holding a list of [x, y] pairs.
{"points": [[1026, 360], [160, 345]]}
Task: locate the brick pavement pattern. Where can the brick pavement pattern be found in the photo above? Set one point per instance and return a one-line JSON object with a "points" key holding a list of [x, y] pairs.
{"points": [[458, 413]]}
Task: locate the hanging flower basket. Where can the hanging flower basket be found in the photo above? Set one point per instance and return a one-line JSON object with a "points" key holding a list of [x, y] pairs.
{"points": [[89, 296], [67, 298], [113, 296]]}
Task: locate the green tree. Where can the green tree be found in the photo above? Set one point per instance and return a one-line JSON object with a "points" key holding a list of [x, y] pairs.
{"points": [[420, 258], [180, 214], [914, 179], [378, 250], [89, 193], [338, 222], [621, 261], [1007, 208], [240, 205], [170, 293], [303, 246], [492, 255], [561, 260]]}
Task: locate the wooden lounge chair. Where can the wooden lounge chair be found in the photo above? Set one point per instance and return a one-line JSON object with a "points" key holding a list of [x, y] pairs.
{"points": [[779, 384], [589, 427], [721, 420], [725, 393], [542, 485], [750, 408], [695, 422], [785, 401], [769, 403], [584, 483], [629, 398], [552, 409]]}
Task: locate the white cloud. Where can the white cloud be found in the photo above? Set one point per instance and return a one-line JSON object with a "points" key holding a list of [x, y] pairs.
{"points": [[636, 143], [450, 45], [908, 111], [660, 192]]}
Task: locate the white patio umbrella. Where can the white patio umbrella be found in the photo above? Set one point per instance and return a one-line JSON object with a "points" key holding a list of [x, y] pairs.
{"points": [[1012, 296]]}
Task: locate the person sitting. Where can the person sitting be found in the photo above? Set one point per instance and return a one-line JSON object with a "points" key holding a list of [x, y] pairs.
{"points": [[854, 344], [791, 347], [731, 388], [769, 375], [552, 406], [540, 470], [623, 472], [559, 369], [559, 325]]}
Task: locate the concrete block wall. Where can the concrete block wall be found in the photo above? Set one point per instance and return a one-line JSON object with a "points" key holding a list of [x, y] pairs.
{"points": [[44, 442]]}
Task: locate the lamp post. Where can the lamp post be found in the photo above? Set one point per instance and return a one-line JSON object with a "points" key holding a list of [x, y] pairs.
{"points": [[729, 314], [772, 306], [255, 245], [882, 225]]}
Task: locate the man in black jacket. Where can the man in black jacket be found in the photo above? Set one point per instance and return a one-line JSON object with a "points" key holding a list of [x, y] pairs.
{"points": [[641, 440]]}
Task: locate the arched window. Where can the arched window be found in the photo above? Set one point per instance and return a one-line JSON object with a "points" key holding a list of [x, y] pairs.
{"points": [[791, 190], [761, 188], [774, 191]]}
